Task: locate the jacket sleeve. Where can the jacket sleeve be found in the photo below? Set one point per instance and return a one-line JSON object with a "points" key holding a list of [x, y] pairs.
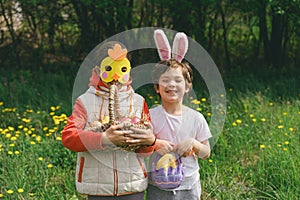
{"points": [[74, 137], [146, 151]]}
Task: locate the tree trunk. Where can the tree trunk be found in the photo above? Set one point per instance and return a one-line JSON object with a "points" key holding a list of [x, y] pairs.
{"points": [[263, 31], [224, 35], [276, 39]]}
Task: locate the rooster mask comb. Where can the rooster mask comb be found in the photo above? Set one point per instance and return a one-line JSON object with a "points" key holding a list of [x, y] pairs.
{"points": [[115, 67], [179, 48]]}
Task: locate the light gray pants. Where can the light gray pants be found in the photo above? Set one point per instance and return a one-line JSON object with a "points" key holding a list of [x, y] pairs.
{"points": [[154, 193], [136, 196]]}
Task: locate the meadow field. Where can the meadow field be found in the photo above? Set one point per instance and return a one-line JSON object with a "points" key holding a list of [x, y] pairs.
{"points": [[257, 156]]}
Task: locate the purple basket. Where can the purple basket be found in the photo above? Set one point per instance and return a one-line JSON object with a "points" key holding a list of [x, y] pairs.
{"points": [[170, 175]]}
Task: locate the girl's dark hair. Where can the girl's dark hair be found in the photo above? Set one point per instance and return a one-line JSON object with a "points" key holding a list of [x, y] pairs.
{"points": [[164, 65]]}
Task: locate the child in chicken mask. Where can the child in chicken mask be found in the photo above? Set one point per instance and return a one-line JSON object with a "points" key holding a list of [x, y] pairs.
{"points": [[105, 168]]}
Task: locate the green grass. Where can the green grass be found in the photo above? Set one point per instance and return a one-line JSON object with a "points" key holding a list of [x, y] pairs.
{"points": [[256, 156]]}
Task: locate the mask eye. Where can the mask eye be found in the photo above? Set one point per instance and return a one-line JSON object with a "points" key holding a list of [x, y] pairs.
{"points": [[107, 68], [124, 69]]}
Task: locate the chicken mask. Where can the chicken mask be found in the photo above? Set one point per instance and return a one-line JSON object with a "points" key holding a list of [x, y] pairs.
{"points": [[115, 67]]}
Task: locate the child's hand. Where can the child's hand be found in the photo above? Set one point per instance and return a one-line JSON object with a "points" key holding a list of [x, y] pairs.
{"points": [[141, 136], [163, 147], [185, 148], [116, 136]]}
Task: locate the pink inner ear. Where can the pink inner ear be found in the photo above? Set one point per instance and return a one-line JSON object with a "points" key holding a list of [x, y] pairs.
{"points": [[162, 48], [181, 49]]}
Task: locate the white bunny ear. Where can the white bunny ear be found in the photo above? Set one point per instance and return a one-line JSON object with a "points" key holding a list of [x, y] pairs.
{"points": [[162, 44], [180, 46]]}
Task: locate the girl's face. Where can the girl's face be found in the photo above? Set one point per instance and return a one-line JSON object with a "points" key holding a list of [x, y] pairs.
{"points": [[172, 86]]}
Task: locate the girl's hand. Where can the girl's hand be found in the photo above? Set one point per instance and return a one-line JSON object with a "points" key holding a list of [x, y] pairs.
{"points": [[141, 136], [186, 148], [163, 147], [116, 136]]}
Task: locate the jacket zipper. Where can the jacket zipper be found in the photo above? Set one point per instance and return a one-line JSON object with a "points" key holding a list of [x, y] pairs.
{"points": [[142, 167], [115, 174]]}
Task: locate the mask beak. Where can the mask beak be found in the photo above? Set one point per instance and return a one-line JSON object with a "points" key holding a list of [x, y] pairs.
{"points": [[116, 76]]}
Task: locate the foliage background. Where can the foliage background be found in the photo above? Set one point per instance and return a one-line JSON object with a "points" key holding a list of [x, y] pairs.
{"points": [[254, 43]]}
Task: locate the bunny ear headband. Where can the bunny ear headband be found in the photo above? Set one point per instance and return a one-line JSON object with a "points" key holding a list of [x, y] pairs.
{"points": [[179, 49]]}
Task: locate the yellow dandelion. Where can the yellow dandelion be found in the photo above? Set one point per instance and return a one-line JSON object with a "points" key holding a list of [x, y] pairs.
{"points": [[10, 191], [150, 97], [45, 128], [251, 115], [8, 135], [284, 113], [64, 116], [13, 138], [208, 114], [291, 129], [198, 109], [1, 103], [230, 89], [57, 107], [284, 149], [40, 158], [38, 112], [263, 119], [52, 113], [52, 130], [20, 190], [10, 128], [49, 165], [280, 126], [1, 195], [210, 160], [195, 101], [286, 142], [203, 99], [238, 121], [254, 120], [20, 126], [271, 104], [32, 143], [9, 152], [31, 194], [222, 95], [52, 108], [279, 145], [25, 129], [17, 152], [38, 138], [262, 146], [58, 138], [11, 145], [234, 124]]}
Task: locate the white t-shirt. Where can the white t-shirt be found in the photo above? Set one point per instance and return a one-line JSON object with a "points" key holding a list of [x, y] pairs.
{"points": [[191, 124]]}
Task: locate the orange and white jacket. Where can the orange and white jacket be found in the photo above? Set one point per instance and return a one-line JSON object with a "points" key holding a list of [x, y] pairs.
{"points": [[99, 170]]}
